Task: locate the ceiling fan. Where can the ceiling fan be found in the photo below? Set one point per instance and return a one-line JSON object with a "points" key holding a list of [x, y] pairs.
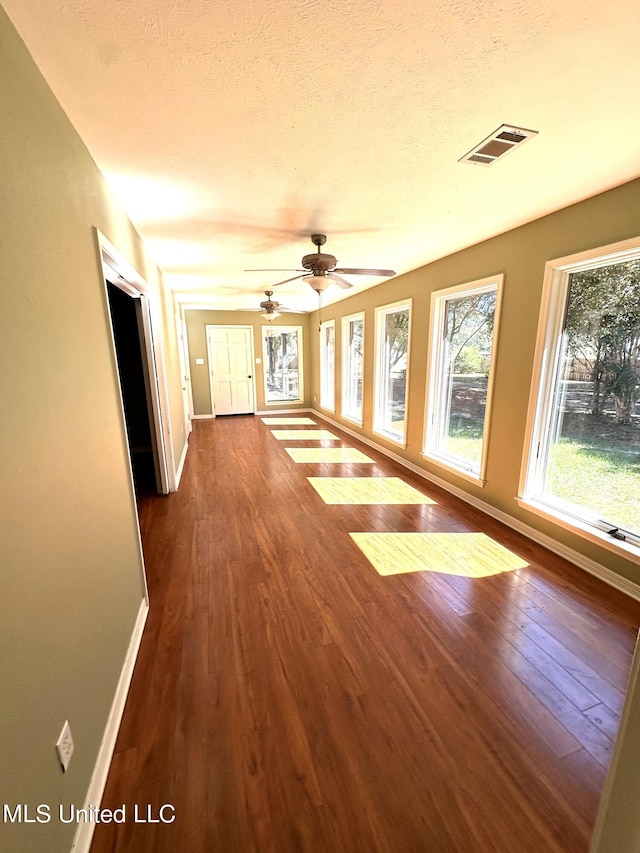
{"points": [[270, 308], [320, 270]]}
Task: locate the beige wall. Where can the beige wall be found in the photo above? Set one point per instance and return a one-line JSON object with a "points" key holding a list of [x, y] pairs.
{"points": [[521, 255], [70, 564], [198, 320]]}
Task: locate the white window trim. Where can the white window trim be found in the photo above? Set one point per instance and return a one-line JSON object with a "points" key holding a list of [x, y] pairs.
{"points": [[280, 329], [438, 302], [381, 312], [346, 363], [327, 405], [554, 294], [572, 524]]}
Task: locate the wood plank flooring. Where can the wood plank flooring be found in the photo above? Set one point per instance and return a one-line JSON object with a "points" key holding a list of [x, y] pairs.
{"points": [[288, 698]]}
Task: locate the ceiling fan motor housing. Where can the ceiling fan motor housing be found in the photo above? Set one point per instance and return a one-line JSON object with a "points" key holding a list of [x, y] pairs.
{"points": [[319, 261], [269, 305]]}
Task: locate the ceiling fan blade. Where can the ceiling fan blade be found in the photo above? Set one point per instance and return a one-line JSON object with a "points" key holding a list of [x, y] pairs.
{"points": [[288, 269], [293, 278], [341, 282], [349, 271]]}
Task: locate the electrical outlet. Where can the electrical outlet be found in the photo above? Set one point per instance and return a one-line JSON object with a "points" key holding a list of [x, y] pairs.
{"points": [[64, 746]]}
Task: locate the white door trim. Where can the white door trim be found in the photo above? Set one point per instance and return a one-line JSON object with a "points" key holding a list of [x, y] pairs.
{"points": [[122, 274], [185, 369]]}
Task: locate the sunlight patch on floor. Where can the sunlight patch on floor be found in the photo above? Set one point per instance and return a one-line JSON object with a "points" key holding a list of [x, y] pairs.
{"points": [[327, 454], [288, 421], [303, 435], [469, 555], [367, 490]]}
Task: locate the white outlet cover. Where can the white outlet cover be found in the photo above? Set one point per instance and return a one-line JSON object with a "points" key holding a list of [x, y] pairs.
{"points": [[199, 360], [65, 746]]}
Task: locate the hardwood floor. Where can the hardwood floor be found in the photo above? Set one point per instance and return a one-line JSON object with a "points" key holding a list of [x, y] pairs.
{"points": [[287, 697]]}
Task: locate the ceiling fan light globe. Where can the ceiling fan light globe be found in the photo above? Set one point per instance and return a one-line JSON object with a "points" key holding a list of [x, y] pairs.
{"points": [[319, 283], [270, 315]]}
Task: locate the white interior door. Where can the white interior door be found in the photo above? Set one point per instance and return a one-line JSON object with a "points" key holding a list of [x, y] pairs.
{"points": [[230, 351]]}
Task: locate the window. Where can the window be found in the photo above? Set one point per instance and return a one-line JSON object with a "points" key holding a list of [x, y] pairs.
{"points": [[392, 359], [282, 357], [327, 365], [583, 461], [464, 323], [352, 366]]}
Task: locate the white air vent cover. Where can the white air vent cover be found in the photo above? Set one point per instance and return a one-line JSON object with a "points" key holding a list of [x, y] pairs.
{"points": [[499, 143]]}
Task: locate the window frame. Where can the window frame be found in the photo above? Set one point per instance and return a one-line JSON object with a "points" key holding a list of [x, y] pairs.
{"points": [[545, 370], [264, 330], [327, 380], [439, 302], [346, 367], [381, 313]]}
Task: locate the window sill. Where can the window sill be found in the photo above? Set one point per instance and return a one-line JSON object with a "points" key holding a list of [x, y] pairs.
{"points": [[391, 438], [353, 420], [465, 473], [586, 531]]}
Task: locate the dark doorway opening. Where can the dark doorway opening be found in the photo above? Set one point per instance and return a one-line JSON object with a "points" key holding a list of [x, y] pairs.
{"points": [[126, 321]]}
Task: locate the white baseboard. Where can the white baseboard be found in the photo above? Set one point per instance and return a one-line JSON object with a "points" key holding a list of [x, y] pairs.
{"points": [[612, 578], [267, 412], [84, 833], [182, 461], [261, 412]]}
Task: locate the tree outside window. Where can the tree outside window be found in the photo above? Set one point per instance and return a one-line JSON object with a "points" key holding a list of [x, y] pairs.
{"points": [[281, 349], [327, 365], [585, 456], [352, 361], [462, 343], [392, 349]]}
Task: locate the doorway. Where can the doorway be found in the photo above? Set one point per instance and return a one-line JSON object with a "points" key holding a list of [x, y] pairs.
{"points": [[230, 351], [127, 322]]}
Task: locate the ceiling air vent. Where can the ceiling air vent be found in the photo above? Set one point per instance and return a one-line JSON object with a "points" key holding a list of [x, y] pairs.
{"points": [[501, 141]]}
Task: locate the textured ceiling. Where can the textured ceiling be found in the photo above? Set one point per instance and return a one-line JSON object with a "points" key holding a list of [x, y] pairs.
{"points": [[233, 130]]}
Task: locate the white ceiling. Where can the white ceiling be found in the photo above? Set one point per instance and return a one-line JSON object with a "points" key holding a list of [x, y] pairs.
{"points": [[232, 130]]}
